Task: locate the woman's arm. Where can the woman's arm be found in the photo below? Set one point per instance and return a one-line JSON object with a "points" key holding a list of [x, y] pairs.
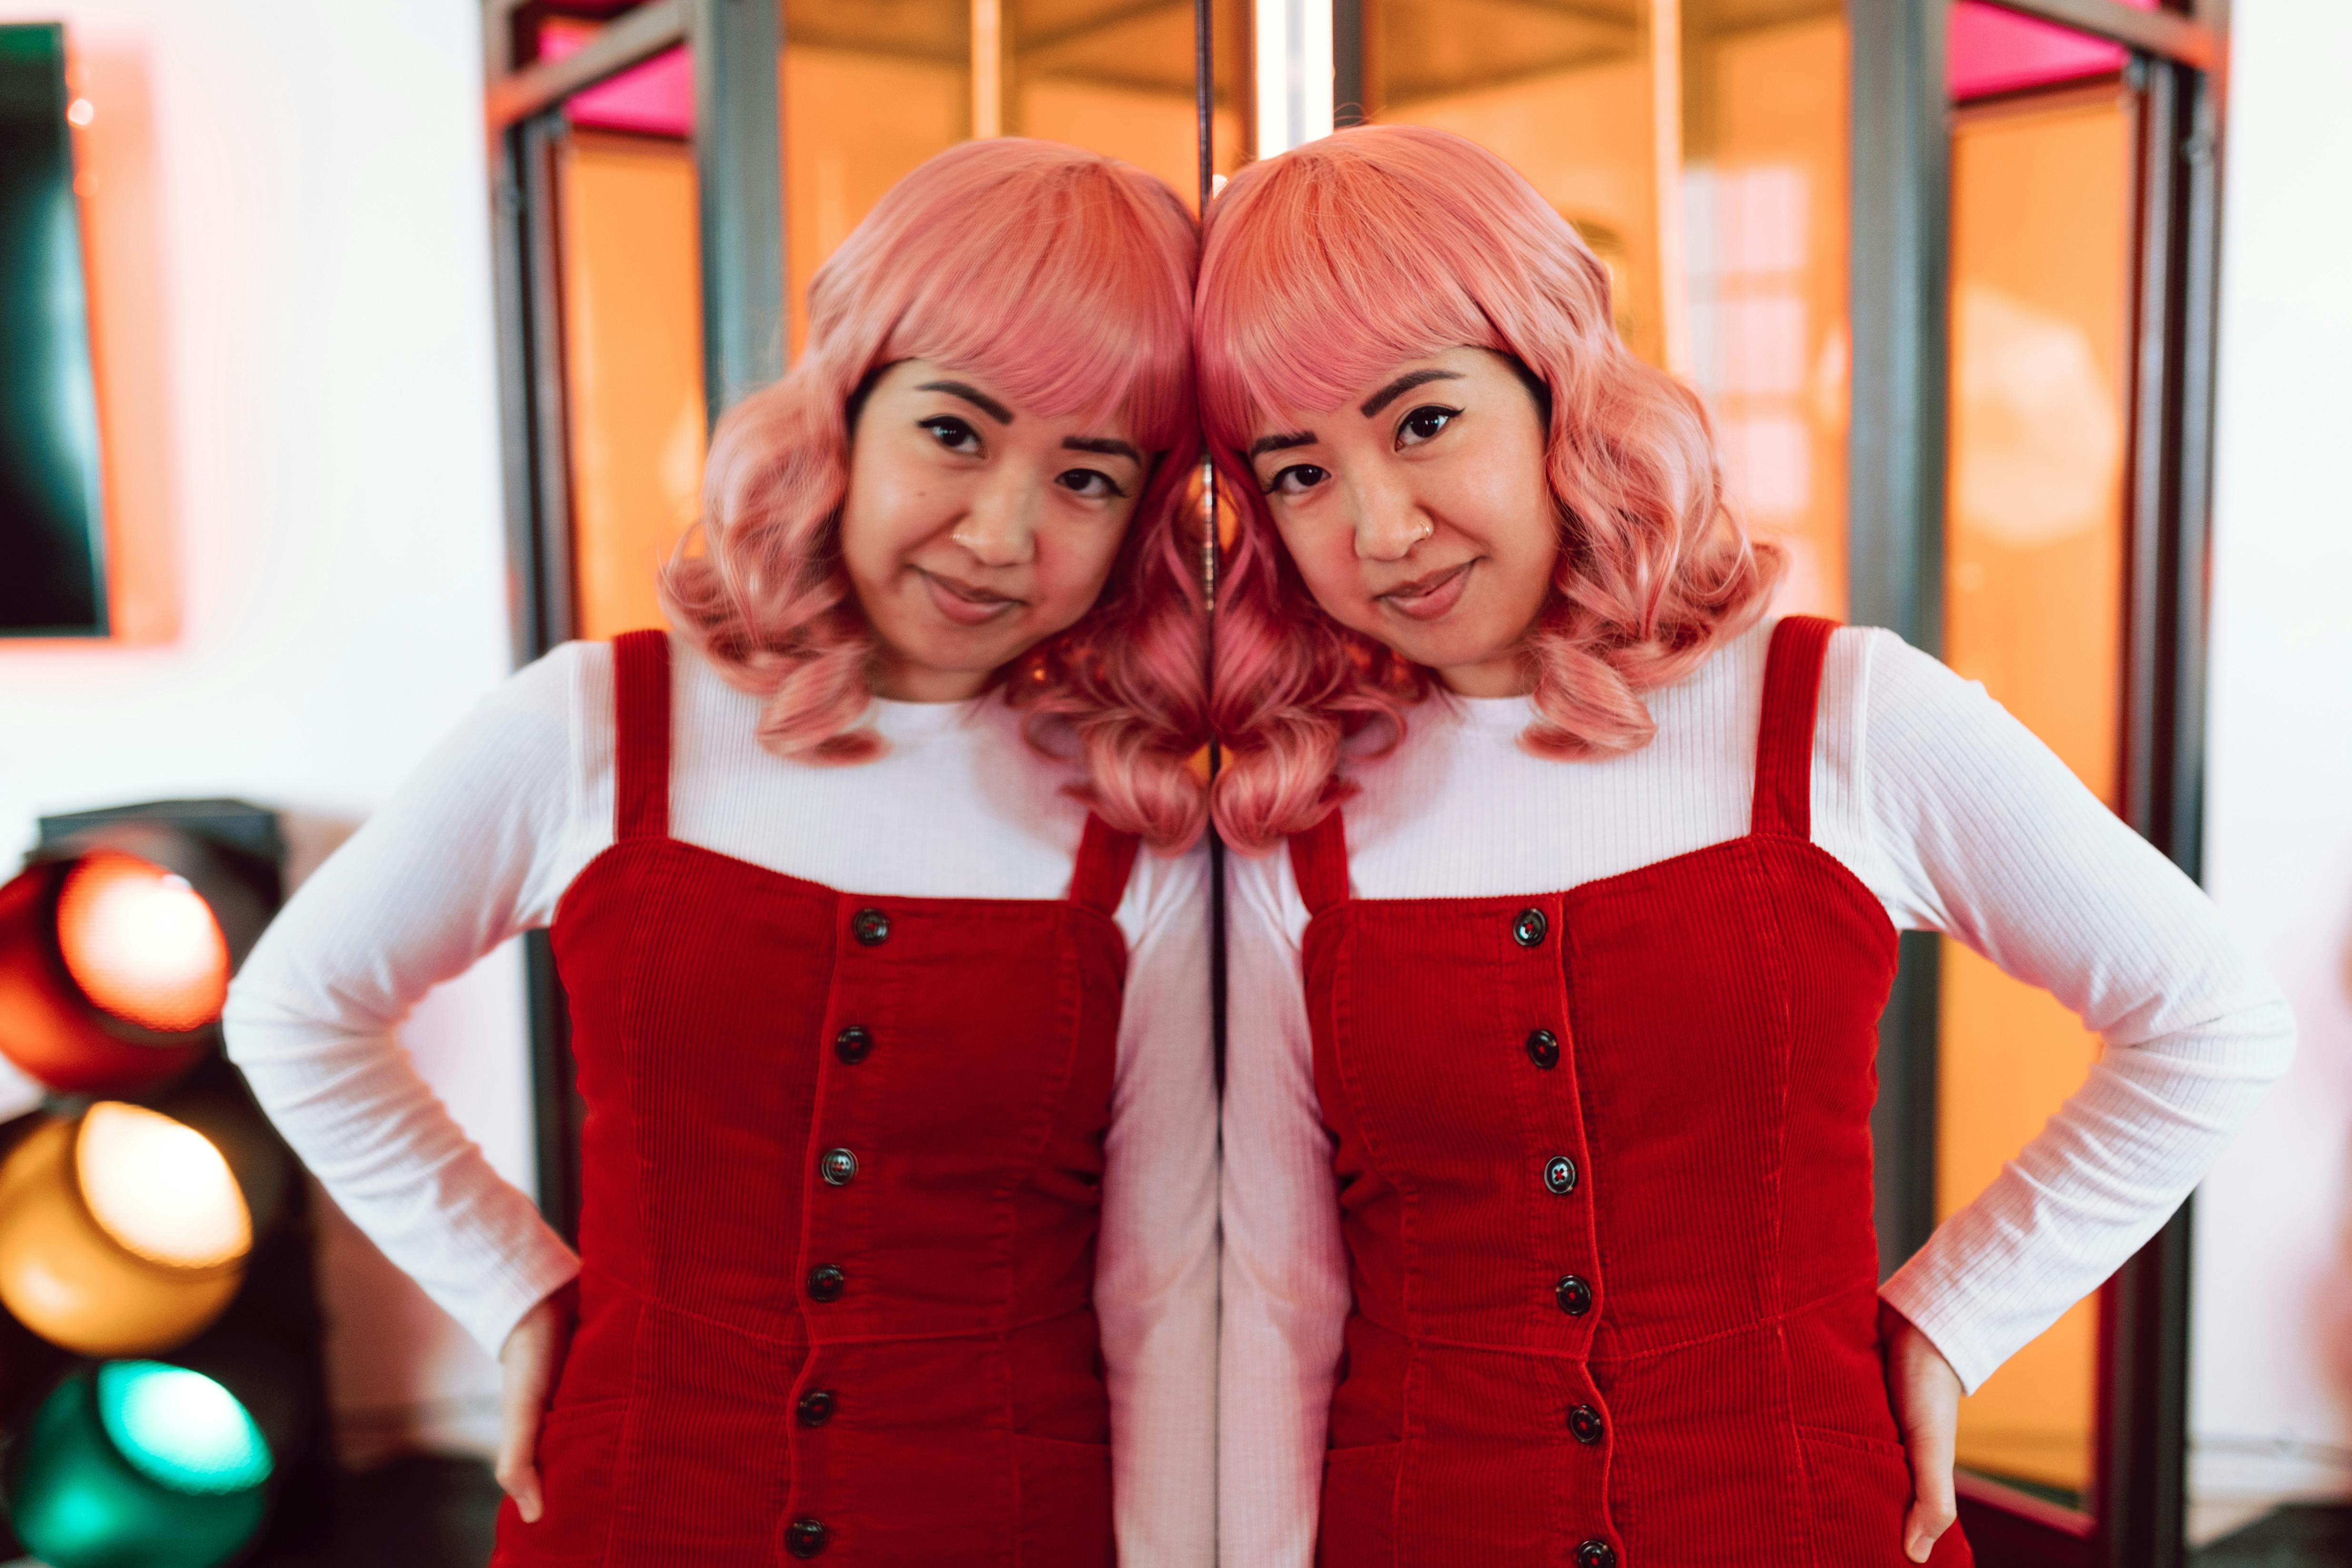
{"points": [[1156, 1274], [1980, 832], [470, 850], [1286, 1294]]}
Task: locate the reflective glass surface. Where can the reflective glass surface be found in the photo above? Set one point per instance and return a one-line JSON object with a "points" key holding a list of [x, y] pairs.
{"points": [[1699, 149], [2041, 294]]}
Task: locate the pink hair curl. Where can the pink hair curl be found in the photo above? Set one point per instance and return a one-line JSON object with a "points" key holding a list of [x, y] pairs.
{"points": [[1063, 278], [1327, 265]]}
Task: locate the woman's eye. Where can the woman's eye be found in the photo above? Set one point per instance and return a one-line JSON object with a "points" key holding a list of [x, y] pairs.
{"points": [[1091, 483], [952, 433], [1297, 480], [1423, 424]]}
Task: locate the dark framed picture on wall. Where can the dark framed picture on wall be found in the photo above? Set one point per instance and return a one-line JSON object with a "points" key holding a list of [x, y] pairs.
{"points": [[52, 547]]}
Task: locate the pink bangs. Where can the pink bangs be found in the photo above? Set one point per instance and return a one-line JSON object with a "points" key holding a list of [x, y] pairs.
{"points": [[1065, 278], [1324, 268], [1327, 265]]}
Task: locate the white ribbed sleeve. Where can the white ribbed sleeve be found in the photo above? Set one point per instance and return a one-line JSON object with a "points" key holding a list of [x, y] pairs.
{"points": [[1983, 833], [480, 844], [1946, 807]]}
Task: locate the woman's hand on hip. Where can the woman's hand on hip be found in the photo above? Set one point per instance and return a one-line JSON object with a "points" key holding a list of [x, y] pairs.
{"points": [[528, 1363], [1925, 1393]]}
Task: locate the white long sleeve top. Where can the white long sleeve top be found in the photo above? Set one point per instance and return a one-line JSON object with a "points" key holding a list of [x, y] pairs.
{"points": [[480, 844], [1944, 806]]}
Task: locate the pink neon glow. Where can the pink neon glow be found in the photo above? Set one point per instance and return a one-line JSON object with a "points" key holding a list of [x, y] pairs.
{"points": [[653, 99], [1990, 50]]}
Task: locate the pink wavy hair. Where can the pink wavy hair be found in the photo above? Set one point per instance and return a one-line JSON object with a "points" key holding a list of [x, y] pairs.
{"points": [[1334, 261], [1063, 278]]}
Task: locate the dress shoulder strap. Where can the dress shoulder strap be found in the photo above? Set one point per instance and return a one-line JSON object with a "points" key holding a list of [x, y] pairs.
{"points": [[1106, 860], [641, 735], [1784, 741], [1319, 860]]}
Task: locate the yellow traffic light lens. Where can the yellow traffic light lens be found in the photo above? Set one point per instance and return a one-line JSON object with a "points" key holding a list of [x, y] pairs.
{"points": [[141, 943], [160, 1189], [67, 1277]]}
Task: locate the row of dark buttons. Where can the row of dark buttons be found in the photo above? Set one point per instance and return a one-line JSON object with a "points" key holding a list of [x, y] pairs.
{"points": [[851, 1045], [805, 1538], [808, 1537], [1572, 1292]]}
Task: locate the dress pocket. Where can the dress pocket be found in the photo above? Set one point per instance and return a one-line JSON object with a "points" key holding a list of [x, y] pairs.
{"points": [[577, 1446], [1065, 1519], [1861, 1489], [1358, 1527]]}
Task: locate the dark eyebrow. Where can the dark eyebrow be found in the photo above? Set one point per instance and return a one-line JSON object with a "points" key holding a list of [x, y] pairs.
{"points": [[973, 395], [1265, 443], [1403, 384], [1108, 446]]}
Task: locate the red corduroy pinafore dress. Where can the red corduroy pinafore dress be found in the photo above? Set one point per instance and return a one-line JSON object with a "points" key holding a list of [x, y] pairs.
{"points": [[1604, 1175], [841, 1174]]}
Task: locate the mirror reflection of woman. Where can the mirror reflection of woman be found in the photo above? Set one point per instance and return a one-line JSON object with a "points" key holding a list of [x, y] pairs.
{"points": [[1568, 906], [897, 1232]]}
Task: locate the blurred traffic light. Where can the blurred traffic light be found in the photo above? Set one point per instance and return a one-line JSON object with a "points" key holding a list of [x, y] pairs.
{"points": [[118, 939], [149, 1215], [138, 1462], [122, 1231]]}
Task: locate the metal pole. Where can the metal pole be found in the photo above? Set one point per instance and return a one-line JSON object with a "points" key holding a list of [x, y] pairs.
{"points": [[1900, 200], [739, 161]]}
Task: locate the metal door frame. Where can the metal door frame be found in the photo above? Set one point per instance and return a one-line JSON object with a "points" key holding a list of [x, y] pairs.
{"points": [[739, 203], [1900, 195]]}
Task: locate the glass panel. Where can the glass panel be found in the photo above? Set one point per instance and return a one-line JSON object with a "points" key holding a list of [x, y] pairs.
{"points": [[1109, 75], [2042, 295], [632, 362], [870, 90], [1700, 149]]}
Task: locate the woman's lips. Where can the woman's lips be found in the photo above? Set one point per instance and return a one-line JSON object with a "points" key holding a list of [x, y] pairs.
{"points": [[963, 603], [1427, 598]]}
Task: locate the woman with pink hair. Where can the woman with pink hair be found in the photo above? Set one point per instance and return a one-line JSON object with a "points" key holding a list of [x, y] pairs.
{"points": [[1546, 1196], [897, 1223]]}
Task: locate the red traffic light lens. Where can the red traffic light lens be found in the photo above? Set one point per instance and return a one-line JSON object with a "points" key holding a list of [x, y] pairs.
{"points": [[141, 943]]}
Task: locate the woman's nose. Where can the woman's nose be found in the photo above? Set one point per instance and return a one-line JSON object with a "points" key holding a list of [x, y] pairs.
{"points": [[1389, 521], [1000, 527]]}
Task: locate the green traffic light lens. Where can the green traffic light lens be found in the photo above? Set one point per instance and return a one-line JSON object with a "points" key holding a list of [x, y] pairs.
{"points": [[86, 1489], [181, 1429]]}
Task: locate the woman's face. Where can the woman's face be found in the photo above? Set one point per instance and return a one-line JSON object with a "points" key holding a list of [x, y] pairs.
{"points": [[974, 529], [1419, 514]]}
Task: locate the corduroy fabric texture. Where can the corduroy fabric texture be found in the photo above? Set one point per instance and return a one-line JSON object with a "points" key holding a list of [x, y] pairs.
{"points": [[1604, 1160], [736, 1029]]}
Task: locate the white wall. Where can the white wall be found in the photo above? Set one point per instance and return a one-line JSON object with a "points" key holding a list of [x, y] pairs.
{"points": [[2273, 1359], [292, 286]]}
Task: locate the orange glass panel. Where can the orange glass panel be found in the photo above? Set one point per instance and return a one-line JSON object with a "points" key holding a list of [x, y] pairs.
{"points": [[1700, 151], [868, 92], [141, 943], [633, 359], [2034, 607], [1114, 77]]}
